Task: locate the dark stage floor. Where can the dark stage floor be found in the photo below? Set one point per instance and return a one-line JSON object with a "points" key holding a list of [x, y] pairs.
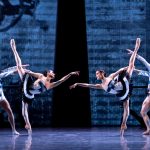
{"points": [[75, 139]]}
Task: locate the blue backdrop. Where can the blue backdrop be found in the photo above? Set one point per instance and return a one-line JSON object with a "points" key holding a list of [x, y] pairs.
{"points": [[112, 26], [34, 34]]}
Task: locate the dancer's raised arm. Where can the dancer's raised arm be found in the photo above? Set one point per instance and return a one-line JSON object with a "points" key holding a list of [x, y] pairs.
{"points": [[5, 74], [140, 58], [141, 72], [10, 71]]}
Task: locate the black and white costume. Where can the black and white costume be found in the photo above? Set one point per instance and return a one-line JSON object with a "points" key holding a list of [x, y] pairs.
{"points": [[29, 90], [120, 86], [2, 96]]}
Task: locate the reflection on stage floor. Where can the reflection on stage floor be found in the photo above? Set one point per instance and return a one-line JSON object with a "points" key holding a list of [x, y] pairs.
{"points": [[75, 139]]}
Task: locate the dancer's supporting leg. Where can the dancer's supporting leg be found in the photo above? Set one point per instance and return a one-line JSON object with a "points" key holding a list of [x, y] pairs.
{"points": [[21, 72], [144, 110], [5, 105], [129, 71], [26, 117]]}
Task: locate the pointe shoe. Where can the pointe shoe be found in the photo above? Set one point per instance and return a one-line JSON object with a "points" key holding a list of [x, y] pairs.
{"points": [[123, 127], [30, 132], [28, 129], [15, 132], [147, 132]]}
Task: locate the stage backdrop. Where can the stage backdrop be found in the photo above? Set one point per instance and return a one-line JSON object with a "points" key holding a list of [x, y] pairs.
{"points": [[32, 24], [112, 27]]}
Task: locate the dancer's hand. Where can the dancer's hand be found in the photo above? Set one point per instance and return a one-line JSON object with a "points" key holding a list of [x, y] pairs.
{"points": [[129, 51], [26, 65], [75, 73], [72, 86], [36, 83], [27, 70]]}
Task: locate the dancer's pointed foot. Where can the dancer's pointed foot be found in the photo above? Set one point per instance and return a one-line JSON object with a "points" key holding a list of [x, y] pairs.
{"points": [[15, 132], [123, 127], [29, 131], [147, 132], [28, 127]]}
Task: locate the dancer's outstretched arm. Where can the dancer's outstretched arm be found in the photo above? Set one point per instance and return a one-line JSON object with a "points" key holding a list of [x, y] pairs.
{"points": [[140, 58], [9, 71], [5, 74], [94, 86], [63, 79], [142, 72]]}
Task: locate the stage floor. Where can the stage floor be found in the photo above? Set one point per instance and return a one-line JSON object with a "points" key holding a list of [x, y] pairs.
{"points": [[75, 139]]}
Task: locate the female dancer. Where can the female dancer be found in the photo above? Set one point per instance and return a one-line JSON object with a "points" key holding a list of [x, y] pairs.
{"points": [[42, 83], [5, 104], [146, 103], [117, 83]]}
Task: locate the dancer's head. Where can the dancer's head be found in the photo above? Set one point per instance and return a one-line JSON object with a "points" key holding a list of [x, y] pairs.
{"points": [[100, 74], [49, 73]]}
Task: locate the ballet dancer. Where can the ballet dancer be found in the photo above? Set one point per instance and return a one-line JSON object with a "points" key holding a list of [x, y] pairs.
{"points": [[146, 103], [4, 102], [117, 83], [42, 83]]}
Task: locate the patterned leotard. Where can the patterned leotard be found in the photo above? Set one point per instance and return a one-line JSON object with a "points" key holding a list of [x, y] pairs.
{"points": [[120, 86], [29, 90]]}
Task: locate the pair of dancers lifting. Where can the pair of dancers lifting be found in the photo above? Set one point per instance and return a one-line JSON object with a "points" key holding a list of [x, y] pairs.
{"points": [[42, 83], [117, 83], [146, 103]]}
